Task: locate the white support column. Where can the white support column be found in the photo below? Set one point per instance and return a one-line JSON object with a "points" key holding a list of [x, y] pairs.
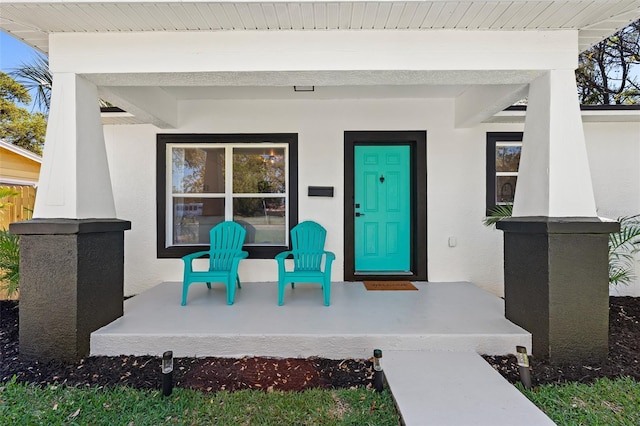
{"points": [[74, 180], [554, 178]]}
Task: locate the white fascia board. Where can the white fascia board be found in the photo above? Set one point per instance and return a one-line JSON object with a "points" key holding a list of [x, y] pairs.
{"points": [[268, 51], [17, 182], [613, 116]]}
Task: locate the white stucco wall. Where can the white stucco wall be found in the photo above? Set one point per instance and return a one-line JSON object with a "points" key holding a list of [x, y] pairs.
{"points": [[614, 152], [455, 181]]}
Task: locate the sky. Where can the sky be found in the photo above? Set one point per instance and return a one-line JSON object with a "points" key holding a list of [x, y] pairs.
{"points": [[13, 53]]}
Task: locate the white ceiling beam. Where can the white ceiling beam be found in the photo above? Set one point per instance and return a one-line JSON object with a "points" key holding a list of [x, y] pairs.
{"points": [[314, 78], [478, 103], [149, 104], [295, 51]]}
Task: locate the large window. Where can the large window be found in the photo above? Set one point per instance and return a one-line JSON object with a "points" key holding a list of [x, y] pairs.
{"points": [[206, 179], [503, 160]]}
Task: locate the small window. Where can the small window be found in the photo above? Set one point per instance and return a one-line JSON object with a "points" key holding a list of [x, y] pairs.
{"points": [[503, 160], [207, 179]]}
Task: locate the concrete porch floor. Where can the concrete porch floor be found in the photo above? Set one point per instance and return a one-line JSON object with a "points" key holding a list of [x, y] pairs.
{"points": [[430, 339], [446, 316]]}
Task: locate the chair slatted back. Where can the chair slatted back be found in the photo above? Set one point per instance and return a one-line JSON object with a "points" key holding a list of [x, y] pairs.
{"points": [[226, 240], [307, 240]]}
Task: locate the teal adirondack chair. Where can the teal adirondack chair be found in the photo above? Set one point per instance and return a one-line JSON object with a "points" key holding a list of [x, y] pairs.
{"points": [[225, 254], [307, 241]]}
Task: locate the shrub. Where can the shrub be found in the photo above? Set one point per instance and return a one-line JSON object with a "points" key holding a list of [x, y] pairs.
{"points": [[9, 262]]}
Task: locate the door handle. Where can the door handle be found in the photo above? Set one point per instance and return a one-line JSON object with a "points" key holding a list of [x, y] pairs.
{"points": [[358, 214]]}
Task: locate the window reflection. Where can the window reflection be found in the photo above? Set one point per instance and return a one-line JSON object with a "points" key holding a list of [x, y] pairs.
{"points": [[258, 194], [263, 218], [507, 158], [505, 189], [194, 217], [507, 163], [198, 170], [259, 171]]}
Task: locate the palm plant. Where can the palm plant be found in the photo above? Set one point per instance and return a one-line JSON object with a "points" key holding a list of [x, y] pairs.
{"points": [[9, 250], [497, 213], [37, 78], [6, 192], [623, 245], [9, 262]]}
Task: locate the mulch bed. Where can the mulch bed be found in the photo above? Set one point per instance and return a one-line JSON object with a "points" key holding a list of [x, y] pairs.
{"points": [[623, 359], [291, 374], [207, 374]]}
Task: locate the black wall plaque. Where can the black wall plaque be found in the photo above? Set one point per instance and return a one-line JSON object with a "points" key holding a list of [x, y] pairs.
{"points": [[321, 191]]}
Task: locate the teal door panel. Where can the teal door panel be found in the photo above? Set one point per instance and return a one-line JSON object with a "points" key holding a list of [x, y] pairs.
{"points": [[382, 208]]}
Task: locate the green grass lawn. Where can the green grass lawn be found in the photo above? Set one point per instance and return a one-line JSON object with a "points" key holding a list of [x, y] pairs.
{"points": [[605, 402], [55, 405]]}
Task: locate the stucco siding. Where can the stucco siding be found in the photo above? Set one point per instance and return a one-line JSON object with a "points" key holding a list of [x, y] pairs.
{"points": [[614, 153], [455, 179]]}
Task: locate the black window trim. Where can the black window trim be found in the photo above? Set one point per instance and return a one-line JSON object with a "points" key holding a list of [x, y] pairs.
{"points": [[162, 139], [492, 139]]}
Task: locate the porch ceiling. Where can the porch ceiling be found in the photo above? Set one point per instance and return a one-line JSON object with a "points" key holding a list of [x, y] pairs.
{"points": [[32, 20]]}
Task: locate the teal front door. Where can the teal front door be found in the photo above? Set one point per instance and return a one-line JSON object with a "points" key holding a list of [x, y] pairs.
{"points": [[382, 202]]}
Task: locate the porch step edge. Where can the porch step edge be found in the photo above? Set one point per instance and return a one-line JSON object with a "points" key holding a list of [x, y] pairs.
{"points": [[299, 346]]}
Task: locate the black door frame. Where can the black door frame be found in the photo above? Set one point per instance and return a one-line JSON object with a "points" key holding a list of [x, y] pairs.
{"points": [[417, 141]]}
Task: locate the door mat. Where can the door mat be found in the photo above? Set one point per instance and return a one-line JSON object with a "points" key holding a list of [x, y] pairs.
{"points": [[389, 285]]}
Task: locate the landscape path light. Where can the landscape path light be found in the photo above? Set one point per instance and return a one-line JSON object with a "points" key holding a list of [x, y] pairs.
{"points": [[167, 373], [378, 374], [523, 366]]}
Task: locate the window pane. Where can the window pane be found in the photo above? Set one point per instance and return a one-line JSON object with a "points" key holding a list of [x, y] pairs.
{"points": [[258, 171], [194, 217], [507, 158], [505, 189], [263, 218], [196, 170]]}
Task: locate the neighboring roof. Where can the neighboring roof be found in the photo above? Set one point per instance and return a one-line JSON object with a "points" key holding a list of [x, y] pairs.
{"points": [[33, 20], [18, 166], [21, 151]]}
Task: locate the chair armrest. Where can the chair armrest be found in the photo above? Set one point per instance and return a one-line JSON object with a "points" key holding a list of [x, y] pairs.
{"points": [[329, 258], [190, 257], [280, 257], [237, 258], [241, 255], [188, 260]]}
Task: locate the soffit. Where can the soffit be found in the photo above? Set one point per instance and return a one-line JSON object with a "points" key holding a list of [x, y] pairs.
{"points": [[32, 21]]}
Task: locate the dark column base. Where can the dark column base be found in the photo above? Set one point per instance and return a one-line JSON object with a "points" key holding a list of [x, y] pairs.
{"points": [[556, 284], [71, 283]]}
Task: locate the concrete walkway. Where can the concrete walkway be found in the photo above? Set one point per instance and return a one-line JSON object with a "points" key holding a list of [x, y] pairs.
{"points": [[455, 389]]}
